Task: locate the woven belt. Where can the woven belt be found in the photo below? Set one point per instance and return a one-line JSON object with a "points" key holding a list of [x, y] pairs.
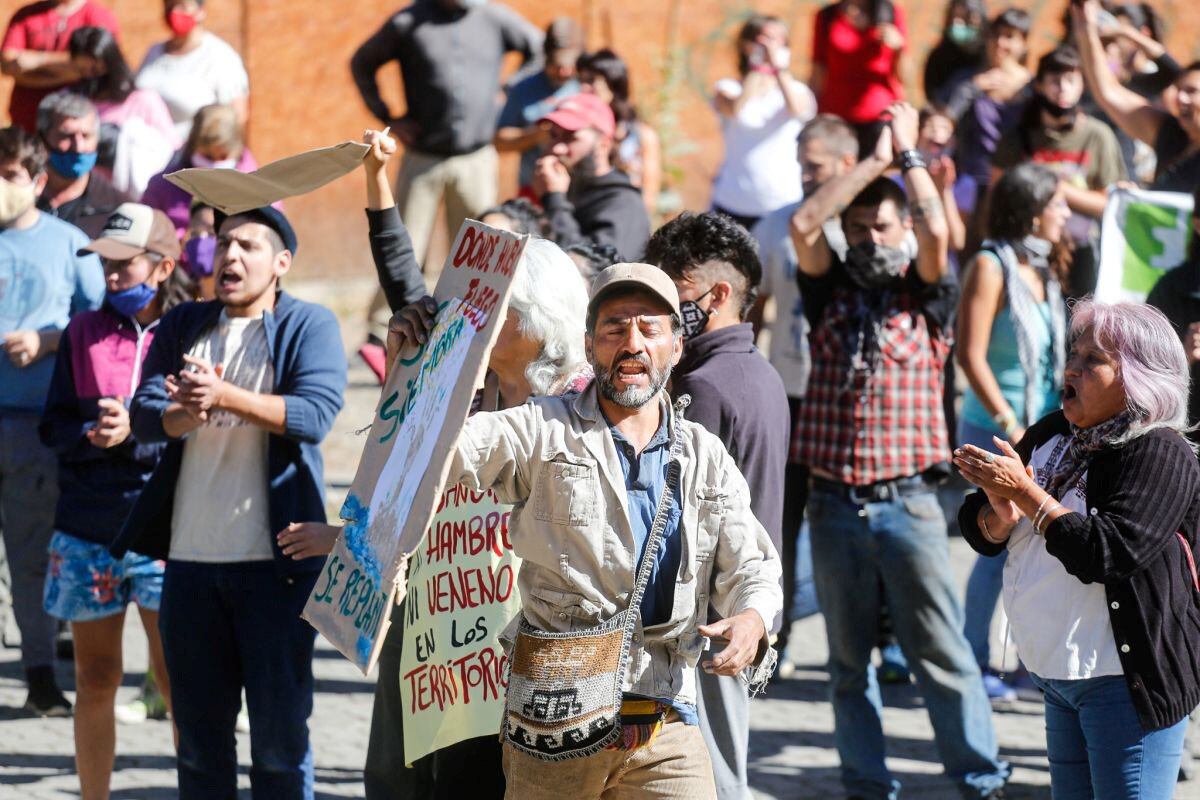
{"points": [[879, 492]]}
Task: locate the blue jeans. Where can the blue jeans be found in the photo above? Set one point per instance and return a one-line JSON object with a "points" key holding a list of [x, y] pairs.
{"points": [[1098, 748], [987, 576], [225, 627], [902, 541]]}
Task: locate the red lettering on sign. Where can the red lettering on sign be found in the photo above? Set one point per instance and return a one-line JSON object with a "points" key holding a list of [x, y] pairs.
{"points": [[432, 684], [483, 671], [475, 249], [452, 590]]}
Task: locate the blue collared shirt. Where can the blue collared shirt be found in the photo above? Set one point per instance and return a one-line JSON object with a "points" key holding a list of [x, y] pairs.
{"points": [[645, 476]]}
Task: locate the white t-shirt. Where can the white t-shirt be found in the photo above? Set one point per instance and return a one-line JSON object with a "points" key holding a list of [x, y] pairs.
{"points": [[760, 172], [221, 511], [212, 73], [1060, 625]]}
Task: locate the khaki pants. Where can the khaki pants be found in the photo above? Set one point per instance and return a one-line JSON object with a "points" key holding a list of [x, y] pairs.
{"points": [[469, 184], [675, 765]]}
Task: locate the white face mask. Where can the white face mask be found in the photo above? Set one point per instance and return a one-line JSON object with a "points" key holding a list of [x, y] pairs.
{"points": [[15, 200], [204, 162]]}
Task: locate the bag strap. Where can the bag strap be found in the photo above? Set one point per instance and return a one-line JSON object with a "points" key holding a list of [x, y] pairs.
{"points": [[658, 526]]}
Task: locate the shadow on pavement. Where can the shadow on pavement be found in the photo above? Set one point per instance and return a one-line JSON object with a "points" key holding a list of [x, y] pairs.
{"points": [[145, 793]]}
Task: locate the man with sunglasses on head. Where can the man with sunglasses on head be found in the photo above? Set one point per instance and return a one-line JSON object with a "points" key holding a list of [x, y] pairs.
{"points": [[583, 195]]}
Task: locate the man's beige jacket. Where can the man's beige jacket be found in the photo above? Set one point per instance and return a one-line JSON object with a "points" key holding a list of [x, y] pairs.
{"points": [[554, 460]]}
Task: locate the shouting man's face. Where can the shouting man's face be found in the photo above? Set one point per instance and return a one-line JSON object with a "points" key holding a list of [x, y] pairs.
{"points": [[632, 348]]}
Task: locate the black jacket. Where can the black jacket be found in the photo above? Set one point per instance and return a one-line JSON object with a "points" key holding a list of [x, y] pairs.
{"points": [[1139, 497], [739, 397], [607, 210], [395, 262]]}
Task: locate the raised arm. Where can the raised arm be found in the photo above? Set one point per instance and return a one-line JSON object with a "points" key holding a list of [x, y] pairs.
{"points": [[1129, 110], [812, 250], [924, 199], [396, 263]]}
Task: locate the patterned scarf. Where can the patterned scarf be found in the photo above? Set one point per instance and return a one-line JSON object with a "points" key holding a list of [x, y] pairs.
{"points": [[1084, 443], [1023, 310]]}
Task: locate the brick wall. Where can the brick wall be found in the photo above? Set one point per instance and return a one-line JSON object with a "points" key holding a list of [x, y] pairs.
{"points": [[297, 54]]}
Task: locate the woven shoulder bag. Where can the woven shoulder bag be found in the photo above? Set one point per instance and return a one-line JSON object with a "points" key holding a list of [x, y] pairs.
{"points": [[564, 689]]}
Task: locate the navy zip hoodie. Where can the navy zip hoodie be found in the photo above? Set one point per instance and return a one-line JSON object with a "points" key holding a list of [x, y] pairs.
{"points": [[100, 355], [739, 397], [310, 373]]}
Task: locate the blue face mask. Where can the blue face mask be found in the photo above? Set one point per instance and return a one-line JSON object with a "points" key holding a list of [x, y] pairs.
{"points": [[128, 302], [73, 165]]}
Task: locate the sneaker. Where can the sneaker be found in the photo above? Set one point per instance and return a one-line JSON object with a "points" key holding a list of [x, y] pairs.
{"points": [[134, 713], [375, 357], [45, 699], [997, 689], [893, 668], [148, 705]]}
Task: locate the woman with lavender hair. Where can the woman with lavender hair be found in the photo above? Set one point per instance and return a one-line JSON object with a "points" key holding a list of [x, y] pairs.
{"points": [[1099, 509]]}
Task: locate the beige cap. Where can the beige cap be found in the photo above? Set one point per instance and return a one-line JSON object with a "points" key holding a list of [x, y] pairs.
{"points": [[133, 229], [641, 276]]}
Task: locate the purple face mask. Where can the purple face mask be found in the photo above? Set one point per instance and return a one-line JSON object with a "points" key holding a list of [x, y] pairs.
{"points": [[198, 256]]}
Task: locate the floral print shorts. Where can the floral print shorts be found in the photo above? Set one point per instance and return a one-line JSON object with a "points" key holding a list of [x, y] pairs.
{"points": [[84, 582]]}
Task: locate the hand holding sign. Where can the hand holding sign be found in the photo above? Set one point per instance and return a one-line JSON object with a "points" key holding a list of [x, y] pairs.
{"points": [[383, 147], [410, 325]]}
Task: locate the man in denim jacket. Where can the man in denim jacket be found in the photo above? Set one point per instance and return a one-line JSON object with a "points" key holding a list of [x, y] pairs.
{"points": [[584, 473]]}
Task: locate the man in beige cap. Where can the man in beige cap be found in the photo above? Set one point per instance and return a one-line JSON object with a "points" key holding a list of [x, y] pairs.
{"points": [[591, 479]]}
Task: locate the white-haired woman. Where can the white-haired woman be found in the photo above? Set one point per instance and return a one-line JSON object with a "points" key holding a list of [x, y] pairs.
{"points": [[1099, 508], [539, 351]]}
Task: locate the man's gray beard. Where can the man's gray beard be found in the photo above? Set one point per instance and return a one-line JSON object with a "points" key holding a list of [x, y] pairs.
{"points": [[631, 397]]}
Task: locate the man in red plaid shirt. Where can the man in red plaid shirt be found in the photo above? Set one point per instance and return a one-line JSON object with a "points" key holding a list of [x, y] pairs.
{"points": [[873, 433]]}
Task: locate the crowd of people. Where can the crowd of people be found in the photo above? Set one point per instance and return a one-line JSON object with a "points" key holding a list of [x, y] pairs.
{"points": [[930, 270]]}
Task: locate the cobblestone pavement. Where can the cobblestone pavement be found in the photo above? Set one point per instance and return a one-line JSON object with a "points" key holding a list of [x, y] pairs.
{"points": [[792, 753]]}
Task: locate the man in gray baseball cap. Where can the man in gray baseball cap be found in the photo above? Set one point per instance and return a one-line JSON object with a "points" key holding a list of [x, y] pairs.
{"points": [[617, 490]]}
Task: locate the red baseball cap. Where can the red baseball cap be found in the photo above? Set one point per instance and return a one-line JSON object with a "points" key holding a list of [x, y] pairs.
{"points": [[583, 110]]}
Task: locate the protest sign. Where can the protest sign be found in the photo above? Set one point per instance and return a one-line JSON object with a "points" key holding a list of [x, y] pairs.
{"points": [[1143, 234], [462, 591], [404, 463]]}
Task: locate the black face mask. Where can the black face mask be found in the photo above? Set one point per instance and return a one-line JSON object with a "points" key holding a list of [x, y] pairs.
{"points": [[874, 266], [1054, 109], [695, 318]]}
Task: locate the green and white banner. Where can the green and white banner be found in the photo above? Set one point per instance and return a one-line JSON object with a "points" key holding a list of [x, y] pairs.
{"points": [[1143, 234]]}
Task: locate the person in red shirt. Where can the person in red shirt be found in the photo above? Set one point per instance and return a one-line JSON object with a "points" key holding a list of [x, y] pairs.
{"points": [[855, 59], [35, 51]]}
